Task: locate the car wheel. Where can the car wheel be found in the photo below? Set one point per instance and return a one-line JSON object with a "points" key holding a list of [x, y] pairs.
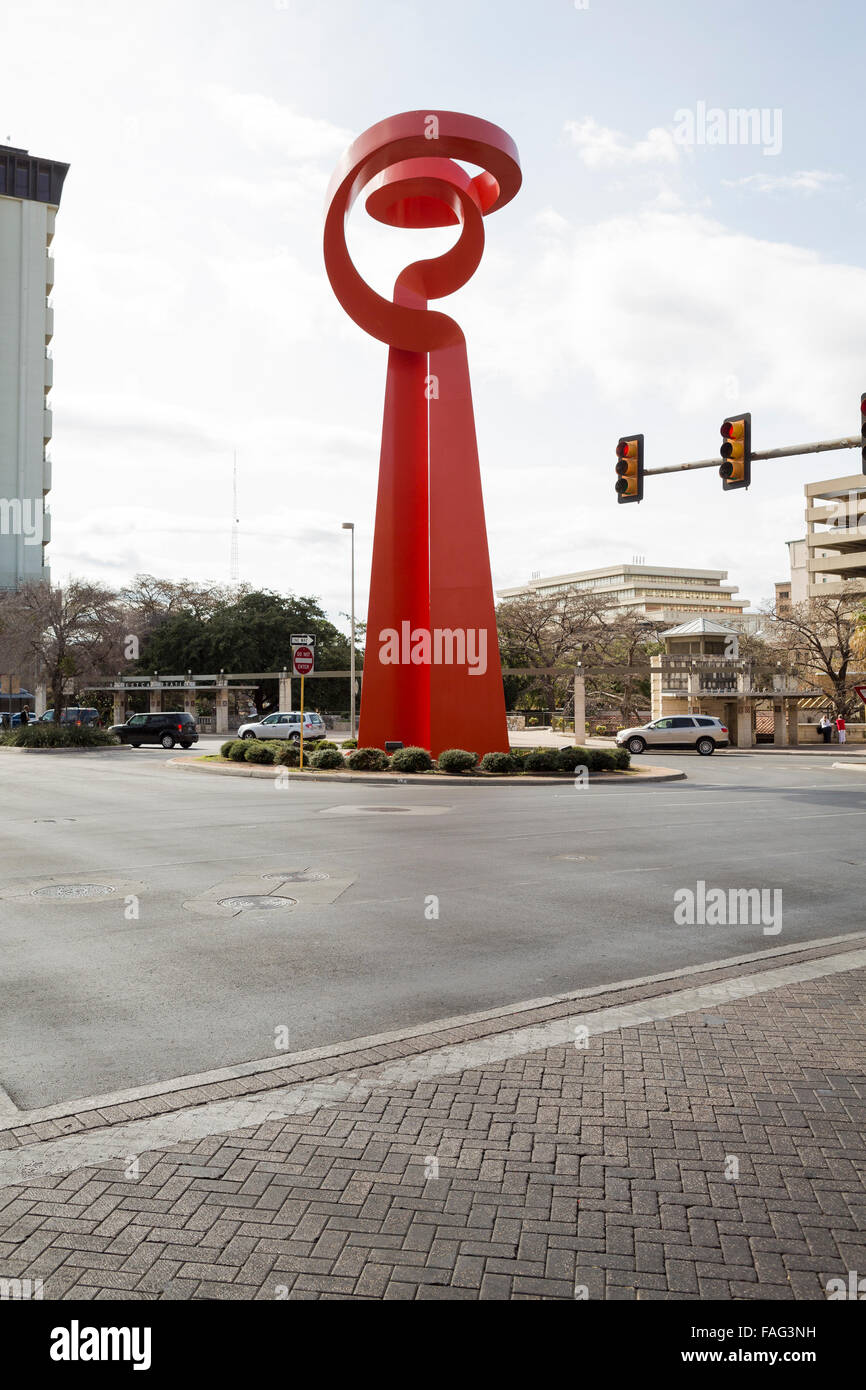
{"points": [[295, 738], [167, 741], [186, 745], [134, 743], [705, 746], [636, 745], [248, 734]]}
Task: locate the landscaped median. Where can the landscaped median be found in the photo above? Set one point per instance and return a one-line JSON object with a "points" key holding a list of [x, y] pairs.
{"points": [[324, 761], [53, 738]]}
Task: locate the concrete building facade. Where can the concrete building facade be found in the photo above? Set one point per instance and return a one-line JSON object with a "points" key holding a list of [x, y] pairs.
{"points": [[659, 592], [30, 190], [830, 559]]}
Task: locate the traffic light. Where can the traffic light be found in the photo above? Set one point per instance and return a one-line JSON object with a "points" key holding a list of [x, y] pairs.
{"points": [[629, 467], [736, 471], [863, 429]]}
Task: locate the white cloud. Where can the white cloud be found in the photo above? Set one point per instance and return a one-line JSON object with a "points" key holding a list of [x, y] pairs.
{"points": [[269, 126], [803, 181], [602, 148]]}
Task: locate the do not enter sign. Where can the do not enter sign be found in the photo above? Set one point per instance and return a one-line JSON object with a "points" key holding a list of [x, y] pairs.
{"points": [[302, 660]]}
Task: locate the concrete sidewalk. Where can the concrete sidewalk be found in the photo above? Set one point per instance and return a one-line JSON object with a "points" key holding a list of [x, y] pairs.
{"points": [[703, 1138]]}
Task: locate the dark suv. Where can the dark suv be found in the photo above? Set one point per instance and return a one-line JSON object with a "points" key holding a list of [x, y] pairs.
{"points": [[74, 714], [166, 729]]}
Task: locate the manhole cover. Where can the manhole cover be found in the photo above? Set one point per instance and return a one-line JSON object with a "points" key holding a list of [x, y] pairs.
{"points": [[73, 890], [257, 902], [297, 876]]}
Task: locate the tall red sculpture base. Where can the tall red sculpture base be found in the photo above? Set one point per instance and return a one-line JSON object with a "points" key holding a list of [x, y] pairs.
{"points": [[432, 673]]}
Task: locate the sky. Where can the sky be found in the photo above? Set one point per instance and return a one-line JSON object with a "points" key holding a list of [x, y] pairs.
{"points": [[647, 276]]}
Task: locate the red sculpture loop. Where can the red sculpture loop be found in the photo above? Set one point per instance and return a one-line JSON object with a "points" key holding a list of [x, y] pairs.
{"points": [[432, 674]]}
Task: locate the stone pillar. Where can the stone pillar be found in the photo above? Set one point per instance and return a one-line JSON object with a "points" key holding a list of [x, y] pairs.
{"points": [[189, 700], [794, 722], [41, 701], [780, 725], [580, 710], [221, 709], [119, 715], [155, 703], [285, 695], [745, 737]]}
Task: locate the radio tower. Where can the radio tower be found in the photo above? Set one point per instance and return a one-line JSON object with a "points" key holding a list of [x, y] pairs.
{"points": [[234, 572]]}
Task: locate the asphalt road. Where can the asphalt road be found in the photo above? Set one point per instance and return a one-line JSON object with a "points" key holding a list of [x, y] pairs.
{"points": [[540, 891]]}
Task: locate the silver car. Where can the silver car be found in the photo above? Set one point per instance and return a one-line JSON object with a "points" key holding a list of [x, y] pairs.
{"points": [[284, 724], [698, 731]]}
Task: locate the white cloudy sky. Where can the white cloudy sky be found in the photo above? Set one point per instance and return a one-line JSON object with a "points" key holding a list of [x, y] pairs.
{"points": [[633, 283]]}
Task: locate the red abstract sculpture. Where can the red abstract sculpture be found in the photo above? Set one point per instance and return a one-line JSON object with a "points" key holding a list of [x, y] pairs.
{"points": [[432, 674]]}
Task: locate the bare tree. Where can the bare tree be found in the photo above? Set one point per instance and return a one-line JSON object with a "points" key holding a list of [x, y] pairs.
{"points": [[562, 630], [820, 637], [72, 632]]}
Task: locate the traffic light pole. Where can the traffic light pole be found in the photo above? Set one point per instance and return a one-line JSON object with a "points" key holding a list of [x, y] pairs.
{"points": [[822, 446]]}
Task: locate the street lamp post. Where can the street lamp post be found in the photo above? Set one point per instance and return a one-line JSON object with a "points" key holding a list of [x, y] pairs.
{"points": [[350, 526]]}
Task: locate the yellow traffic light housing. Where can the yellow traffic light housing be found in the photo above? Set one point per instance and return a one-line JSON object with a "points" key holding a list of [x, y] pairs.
{"points": [[736, 450], [629, 468]]}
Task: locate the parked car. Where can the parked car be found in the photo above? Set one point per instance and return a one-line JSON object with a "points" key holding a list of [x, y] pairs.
{"points": [[75, 714], [698, 731], [167, 729], [284, 724]]}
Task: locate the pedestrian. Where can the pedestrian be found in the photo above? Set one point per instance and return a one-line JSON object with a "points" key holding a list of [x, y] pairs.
{"points": [[826, 727], [840, 728], [25, 714]]}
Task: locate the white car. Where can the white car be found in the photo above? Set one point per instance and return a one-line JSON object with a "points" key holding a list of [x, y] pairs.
{"points": [[284, 725], [698, 731]]}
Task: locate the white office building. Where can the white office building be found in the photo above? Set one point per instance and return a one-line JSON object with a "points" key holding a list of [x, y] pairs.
{"points": [[660, 592], [30, 190]]}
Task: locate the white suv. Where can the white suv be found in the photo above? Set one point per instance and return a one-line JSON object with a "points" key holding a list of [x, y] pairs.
{"points": [[284, 725], [698, 731]]}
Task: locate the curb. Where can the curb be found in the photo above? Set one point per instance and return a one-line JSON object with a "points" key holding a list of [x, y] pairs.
{"points": [[257, 1076], [651, 774], [851, 767]]}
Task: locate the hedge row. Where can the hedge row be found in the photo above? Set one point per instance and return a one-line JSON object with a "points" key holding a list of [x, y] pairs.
{"points": [[47, 735], [454, 760]]}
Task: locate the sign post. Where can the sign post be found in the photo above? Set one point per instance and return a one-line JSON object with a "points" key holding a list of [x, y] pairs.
{"points": [[303, 664]]}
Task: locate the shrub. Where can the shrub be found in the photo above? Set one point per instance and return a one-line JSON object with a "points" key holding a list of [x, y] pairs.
{"points": [[542, 760], [411, 760], [238, 749], [289, 755], [456, 760], [327, 758], [258, 752], [47, 735], [324, 743], [521, 754], [570, 758], [532, 723], [224, 747], [350, 743], [622, 759], [601, 730], [500, 763], [368, 760], [601, 760]]}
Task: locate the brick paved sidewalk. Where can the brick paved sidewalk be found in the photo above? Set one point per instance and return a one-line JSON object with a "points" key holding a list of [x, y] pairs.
{"points": [[601, 1167]]}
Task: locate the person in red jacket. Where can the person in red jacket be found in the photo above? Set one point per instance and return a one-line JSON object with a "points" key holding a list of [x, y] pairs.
{"points": [[840, 728]]}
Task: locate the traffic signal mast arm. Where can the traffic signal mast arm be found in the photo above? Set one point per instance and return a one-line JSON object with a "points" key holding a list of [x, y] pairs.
{"points": [[823, 446]]}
